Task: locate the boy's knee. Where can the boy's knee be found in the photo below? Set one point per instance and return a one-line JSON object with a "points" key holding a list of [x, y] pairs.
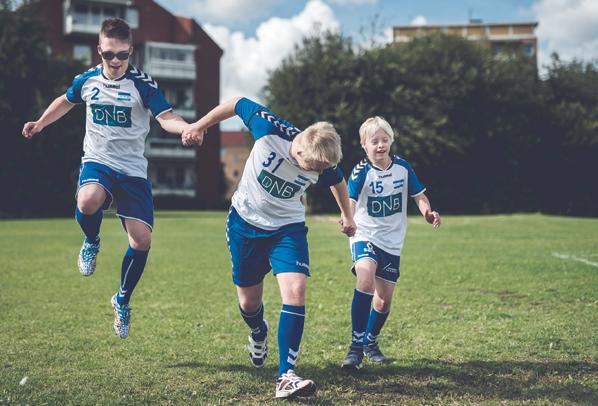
{"points": [[141, 241], [89, 201], [382, 304]]}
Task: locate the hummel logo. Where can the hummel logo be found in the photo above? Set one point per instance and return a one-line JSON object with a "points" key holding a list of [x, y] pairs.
{"points": [[302, 264], [110, 86]]}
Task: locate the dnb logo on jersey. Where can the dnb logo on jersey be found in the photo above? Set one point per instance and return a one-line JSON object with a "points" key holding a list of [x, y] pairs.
{"points": [[276, 186], [109, 115], [382, 206]]}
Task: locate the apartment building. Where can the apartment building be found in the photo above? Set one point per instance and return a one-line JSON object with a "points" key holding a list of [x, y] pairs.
{"points": [[502, 37]]}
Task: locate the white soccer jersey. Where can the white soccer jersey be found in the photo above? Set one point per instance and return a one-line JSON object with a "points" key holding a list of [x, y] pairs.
{"points": [[269, 193], [117, 117], [381, 196]]}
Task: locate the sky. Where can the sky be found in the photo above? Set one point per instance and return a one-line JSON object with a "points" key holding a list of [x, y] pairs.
{"points": [[256, 35]]}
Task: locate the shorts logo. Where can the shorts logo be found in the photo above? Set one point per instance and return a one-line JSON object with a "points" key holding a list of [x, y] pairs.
{"points": [[302, 265], [112, 116], [276, 186], [382, 206]]}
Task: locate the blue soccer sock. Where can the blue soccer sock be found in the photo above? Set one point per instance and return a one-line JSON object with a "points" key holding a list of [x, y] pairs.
{"points": [[290, 330], [90, 223], [375, 324], [256, 323], [360, 311], [132, 268]]}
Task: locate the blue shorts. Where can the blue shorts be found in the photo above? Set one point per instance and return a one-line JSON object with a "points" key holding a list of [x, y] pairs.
{"points": [[132, 195], [387, 265], [254, 250]]}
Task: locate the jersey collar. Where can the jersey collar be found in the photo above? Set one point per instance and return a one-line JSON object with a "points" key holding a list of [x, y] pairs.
{"points": [[392, 161], [117, 79]]}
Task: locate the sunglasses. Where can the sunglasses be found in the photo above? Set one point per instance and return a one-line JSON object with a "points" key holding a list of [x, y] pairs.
{"points": [[121, 56]]}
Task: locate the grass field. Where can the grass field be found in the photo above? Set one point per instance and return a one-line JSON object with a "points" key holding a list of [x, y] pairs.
{"points": [[489, 309]]}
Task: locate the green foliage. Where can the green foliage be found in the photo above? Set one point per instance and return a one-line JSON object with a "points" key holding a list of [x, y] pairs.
{"points": [[480, 129], [509, 320], [43, 169]]}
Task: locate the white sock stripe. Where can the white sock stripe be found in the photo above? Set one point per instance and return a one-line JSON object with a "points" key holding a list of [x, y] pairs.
{"points": [[291, 361], [254, 314], [127, 274], [296, 314], [365, 293], [294, 354]]}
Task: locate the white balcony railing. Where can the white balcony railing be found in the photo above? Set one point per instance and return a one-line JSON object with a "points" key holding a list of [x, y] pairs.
{"points": [[167, 148], [169, 60]]}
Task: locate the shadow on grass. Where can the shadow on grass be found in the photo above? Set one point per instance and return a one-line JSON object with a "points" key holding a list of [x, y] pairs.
{"points": [[427, 380]]}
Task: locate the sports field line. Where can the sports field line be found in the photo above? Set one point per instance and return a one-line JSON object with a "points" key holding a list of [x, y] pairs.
{"points": [[573, 257]]}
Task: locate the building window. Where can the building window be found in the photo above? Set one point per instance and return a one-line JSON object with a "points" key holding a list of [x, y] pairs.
{"points": [[528, 50], [132, 17], [82, 53]]}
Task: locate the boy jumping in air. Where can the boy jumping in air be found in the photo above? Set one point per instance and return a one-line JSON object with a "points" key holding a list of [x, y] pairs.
{"points": [[119, 99]]}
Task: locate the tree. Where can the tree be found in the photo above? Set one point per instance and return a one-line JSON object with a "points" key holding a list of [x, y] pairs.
{"points": [[37, 177]]}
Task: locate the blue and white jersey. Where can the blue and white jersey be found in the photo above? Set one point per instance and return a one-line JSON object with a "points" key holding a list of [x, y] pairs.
{"points": [[381, 196], [269, 193], [117, 117]]}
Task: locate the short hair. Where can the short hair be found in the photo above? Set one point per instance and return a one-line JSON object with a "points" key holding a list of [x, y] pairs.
{"points": [[116, 28], [321, 144], [373, 124]]}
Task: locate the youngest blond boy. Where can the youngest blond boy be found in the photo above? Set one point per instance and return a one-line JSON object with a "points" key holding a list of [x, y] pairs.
{"points": [[378, 189]]}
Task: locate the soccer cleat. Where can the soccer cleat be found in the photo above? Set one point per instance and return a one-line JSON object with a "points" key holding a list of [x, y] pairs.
{"points": [[373, 353], [290, 385], [87, 257], [122, 318], [354, 358], [258, 350]]}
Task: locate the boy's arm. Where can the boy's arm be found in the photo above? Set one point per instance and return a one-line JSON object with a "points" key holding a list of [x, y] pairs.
{"points": [[425, 209], [171, 122], [342, 199], [58, 108], [195, 132]]}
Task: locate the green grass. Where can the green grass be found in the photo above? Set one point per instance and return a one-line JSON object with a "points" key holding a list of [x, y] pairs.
{"points": [[484, 312]]}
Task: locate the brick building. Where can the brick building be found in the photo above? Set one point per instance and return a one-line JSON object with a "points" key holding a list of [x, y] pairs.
{"points": [[184, 60], [235, 147]]}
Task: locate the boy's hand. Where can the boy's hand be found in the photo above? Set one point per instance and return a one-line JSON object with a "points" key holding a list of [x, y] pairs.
{"points": [[31, 128], [348, 226], [193, 135], [433, 218]]}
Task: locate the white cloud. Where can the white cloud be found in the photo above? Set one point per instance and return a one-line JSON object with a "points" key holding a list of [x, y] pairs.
{"points": [[419, 20], [568, 27], [247, 60]]}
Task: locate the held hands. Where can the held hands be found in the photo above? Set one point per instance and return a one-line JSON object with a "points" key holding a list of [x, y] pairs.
{"points": [[193, 134], [348, 226], [433, 218], [31, 128]]}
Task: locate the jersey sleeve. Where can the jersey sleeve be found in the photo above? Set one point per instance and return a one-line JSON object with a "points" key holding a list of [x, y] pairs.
{"points": [[73, 93], [356, 180], [151, 95], [414, 185], [330, 176], [262, 121]]}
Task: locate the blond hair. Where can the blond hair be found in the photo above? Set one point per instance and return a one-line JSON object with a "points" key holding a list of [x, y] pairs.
{"points": [[373, 124], [321, 144]]}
